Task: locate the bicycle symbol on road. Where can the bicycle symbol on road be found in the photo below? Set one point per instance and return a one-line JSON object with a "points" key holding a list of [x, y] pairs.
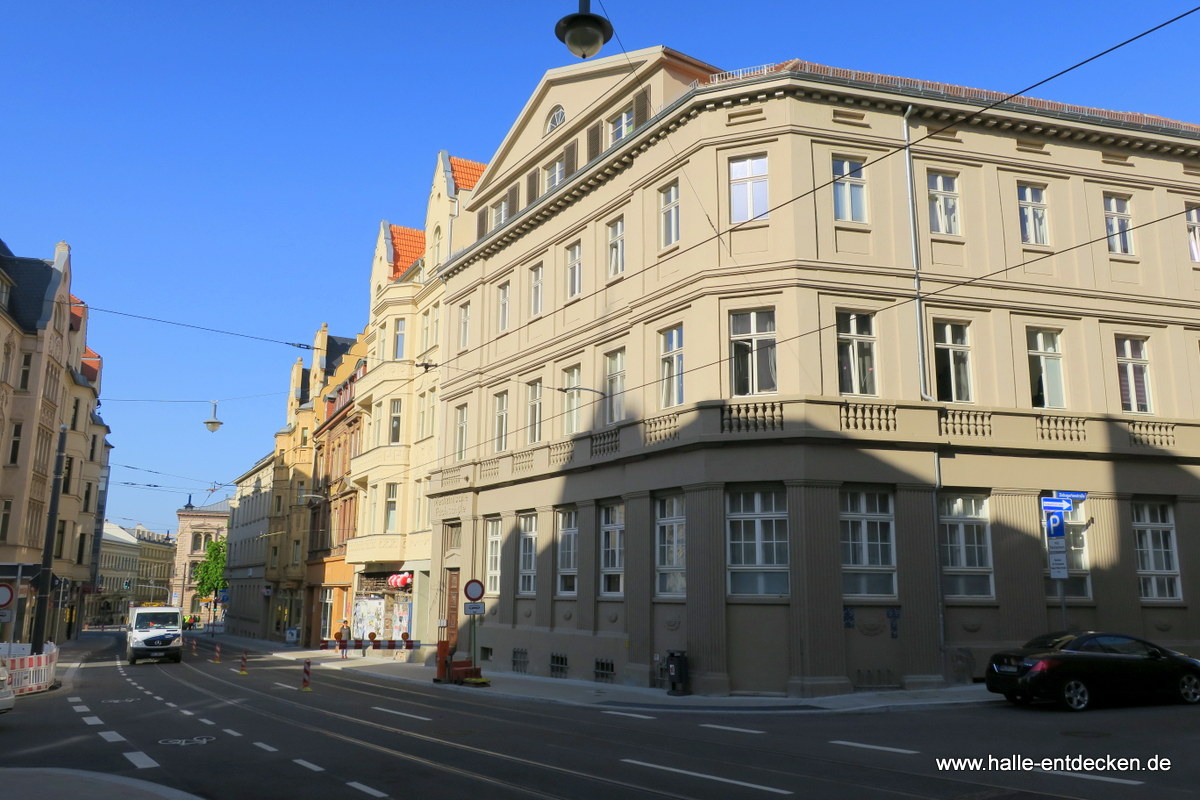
{"points": [[186, 742]]}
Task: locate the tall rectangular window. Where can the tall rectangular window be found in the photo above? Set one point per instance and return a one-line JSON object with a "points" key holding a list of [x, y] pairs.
{"points": [[1118, 221], [757, 539], [670, 545], [621, 125], [574, 270], [1045, 368], [616, 247], [395, 427], [500, 213], [460, 433], [952, 362], [943, 203], [527, 554], [5, 518], [14, 443], [568, 551], [612, 549], [500, 431], [965, 545], [391, 507], [856, 353], [868, 552], [668, 204], [1193, 231], [422, 417], [398, 339], [464, 326], [849, 191], [502, 296], [748, 188], [26, 371], [572, 400], [535, 289], [533, 411], [556, 173], [1031, 202], [1133, 374], [426, 326], [670, 366], [491, 527], [68, 474], [614, 386], [752, 352], [1157, 563], [75, 414]]}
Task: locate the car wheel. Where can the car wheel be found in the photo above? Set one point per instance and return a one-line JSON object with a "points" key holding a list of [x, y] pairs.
{"points": [[1189, 688], [1075, 695], [1016, 698]]}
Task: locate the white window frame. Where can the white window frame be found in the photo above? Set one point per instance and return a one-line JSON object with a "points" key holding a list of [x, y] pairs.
{"points": [[1034, 214], [574, 269], [612, 549], [555, 118], [944, 217], [670, 546], [1133, 374], [616, 247], [1155, 543], [391, 507], [1044, 348], [396, 421], [965, 545], [460, 433], [568, 551], [491, 527], [620, 125], [426, 316], [536, 274], [849, 190], [856, 353], [1192, 219], [670, 366], [572, 400], [757, 541], [747, 351], [555, 173], [464, 325], [503, 294], [1118, 223], [952, 359], [748, 188], [614, 386], [527, 554], [398, 338], [668, 204], [868, 542], [500, 428], [533, 411], [500, 213]]}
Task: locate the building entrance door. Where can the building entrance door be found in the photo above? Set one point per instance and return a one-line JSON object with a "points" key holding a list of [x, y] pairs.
{"points": [[453, 601]]}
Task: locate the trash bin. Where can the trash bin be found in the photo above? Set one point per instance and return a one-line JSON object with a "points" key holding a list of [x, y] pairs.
{"points": [[677, 672]]}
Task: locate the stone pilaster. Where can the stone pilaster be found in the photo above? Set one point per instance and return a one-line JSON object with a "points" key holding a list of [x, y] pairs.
{"points": [[588, 561], [1019, 562], [707, 646], [918, 575], [639, 587]]}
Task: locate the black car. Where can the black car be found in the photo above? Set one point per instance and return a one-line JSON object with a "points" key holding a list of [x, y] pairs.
{"points": [[1076, 668]]}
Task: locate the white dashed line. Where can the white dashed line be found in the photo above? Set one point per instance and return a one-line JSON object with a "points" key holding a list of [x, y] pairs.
{"points": [[727, 728], [92, 720], [156, 697], [147, 691], [80, 708], [111, 736], [627, 714], [366, 789], [185, 711], [284, 685], [1093, 777], [876, 747], [141, 760], [400, 713], [308, 765], [207, 721], [74, 699], [706, 777], [267, 747], [172, 705], [231, 732]]}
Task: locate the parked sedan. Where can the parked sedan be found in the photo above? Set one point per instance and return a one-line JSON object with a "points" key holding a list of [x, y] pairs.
{"points": [[1076, 668]]}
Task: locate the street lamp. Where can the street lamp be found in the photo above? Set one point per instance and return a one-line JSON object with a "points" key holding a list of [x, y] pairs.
{"points": [[584, 33], [212, 423]]}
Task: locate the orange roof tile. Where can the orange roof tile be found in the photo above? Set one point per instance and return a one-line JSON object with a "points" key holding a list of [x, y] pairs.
{"points": [[91, 363], [466, 173], [408, 244]]}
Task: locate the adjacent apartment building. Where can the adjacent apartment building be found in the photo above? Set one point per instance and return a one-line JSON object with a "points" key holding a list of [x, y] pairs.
{"points": [[774, 367]]}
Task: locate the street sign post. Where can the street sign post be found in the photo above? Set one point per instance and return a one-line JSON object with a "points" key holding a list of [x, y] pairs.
{"points": [[473, 590], [472, 609]]}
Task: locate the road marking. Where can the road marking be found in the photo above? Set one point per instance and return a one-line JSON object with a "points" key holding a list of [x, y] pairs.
{"points": [[267, 747], [141, 760], [627, 714], [185, 711], [147, 691], [231, 732], [156, 697], [727, 728], [80, 708], [172, 705], [876, 747], [706, 777], [92, 720], [74, 699], [207, 721], [284, 685], [111, 736], [401, 713], [1094, 777], [308, 765], [367, 789]]}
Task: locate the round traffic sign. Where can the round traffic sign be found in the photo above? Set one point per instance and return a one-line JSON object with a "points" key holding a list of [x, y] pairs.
{"points": [[473, 590], [6, 594]]}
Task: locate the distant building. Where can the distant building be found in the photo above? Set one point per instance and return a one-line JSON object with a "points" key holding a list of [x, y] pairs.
{"points": [[117, 584], [198, 526], [249, 606]]}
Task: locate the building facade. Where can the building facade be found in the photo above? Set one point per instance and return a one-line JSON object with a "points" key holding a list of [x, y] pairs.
{"points": [[156, 565], [774, 366], [199, 526], [246, 556]]}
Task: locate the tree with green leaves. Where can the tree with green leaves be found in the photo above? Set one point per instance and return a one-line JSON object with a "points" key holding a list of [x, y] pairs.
{"points": [[210, 573]]}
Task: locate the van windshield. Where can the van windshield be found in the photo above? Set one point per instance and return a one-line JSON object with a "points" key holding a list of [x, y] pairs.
{"points": [[156, 619]]}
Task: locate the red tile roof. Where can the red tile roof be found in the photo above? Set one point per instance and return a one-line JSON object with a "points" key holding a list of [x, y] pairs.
{"points": [[76, 313], [408, 244], [466, 173], [91, 363]]}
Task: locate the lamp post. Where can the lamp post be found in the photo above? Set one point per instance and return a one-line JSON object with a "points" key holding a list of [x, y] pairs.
{"points": [[212, 423], [584, 33]]}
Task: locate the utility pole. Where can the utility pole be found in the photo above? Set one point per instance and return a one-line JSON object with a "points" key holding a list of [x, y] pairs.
{"points": [[45, 580]]}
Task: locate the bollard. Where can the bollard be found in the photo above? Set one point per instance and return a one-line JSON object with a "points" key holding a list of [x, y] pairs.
{"points": [[242, 671], [193, 647], [217, 660], [304, 687]]}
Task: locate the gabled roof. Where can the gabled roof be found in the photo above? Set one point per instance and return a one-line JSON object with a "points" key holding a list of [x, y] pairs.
{"points": [[77, 307], [408, 244], [466, 173]]}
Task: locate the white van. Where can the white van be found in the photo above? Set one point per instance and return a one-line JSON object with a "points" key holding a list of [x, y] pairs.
{"points": [[154, 632]]}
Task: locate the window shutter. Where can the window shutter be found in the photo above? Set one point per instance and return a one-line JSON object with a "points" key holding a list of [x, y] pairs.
{"points": [[531, 187], [641, 108], [571, 158], [593, 141], [514, 198], [481, 224]]}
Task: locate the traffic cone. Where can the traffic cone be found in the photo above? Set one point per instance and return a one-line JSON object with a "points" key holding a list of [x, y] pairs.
{"points": [[242, 671], [217, 659]]}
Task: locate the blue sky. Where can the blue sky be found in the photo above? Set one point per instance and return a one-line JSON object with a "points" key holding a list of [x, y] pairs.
{"points": [[226, 164]]}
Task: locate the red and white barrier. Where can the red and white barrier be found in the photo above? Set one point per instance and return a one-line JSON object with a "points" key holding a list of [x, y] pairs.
{"points": [[29, 674], [372, 644]]}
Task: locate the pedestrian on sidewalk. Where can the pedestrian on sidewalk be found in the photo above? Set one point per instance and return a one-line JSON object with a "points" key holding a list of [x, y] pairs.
{"points": [[343, 637]]}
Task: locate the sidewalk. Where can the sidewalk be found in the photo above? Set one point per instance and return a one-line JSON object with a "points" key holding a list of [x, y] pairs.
{"points": [[383, 663]]}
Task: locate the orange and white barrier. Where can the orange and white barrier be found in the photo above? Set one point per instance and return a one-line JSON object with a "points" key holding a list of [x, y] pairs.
{"points": [[371, 644], [304, 687], [29, 674]]}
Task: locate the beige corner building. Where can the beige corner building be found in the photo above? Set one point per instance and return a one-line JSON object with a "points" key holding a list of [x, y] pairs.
{"points": [[729, 371]]}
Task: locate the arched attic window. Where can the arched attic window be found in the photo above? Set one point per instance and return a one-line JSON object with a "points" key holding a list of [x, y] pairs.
{"points": [[557, 117], [435, 251]]}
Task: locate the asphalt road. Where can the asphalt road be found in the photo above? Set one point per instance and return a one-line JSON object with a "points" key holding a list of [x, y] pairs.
{"points": [[203, 728]]}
